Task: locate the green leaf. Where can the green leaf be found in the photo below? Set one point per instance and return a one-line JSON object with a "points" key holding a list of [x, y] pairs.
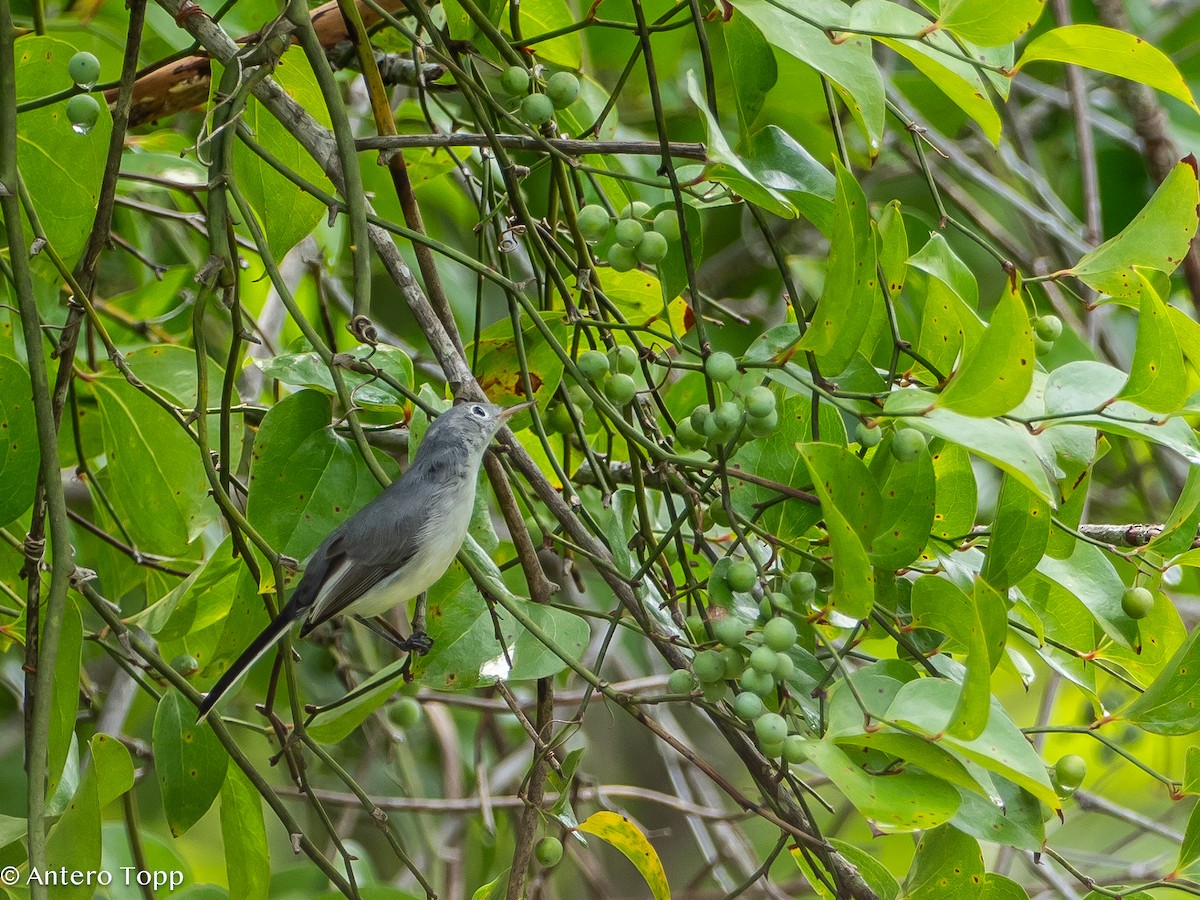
{"points": [[19, 453], [74, 842], [939, 605], [1089, 576], [500, 362], [1181, 526], [895, 802], [956, 495], [1112, 51], [1005, 445], [1159, 635], [333, 723], [61, 169], [988, 24], [65, 696], [285, 212], [848, 65], [1083, 392], [465, 652], [189, 762], [778, 162], [1020, 533], [1157, 377], [244, 833], [727, 168], [850, 504], [1191, 771], [200, 600], [1171, 705], [908, 491], [305, 479], [157, 480], [851, 280], [752, 65], [893, 247], [997, 375], [873, 872], [925, 705], [1188, 866], [307, 369], [948, 866], [620, 832], [1157, 238], [1015, 822], [948, 296], [956, 78], [541, 16]]}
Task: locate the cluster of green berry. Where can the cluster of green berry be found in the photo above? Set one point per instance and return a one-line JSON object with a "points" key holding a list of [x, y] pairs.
{"points": [[82, 109], [538, 108], [757, 660], [1046, 330], [611, 372], [907, 444], [633, 242], [744, 416]]}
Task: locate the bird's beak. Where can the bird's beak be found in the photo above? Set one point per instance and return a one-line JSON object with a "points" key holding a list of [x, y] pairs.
{"points": [[510, 411]]}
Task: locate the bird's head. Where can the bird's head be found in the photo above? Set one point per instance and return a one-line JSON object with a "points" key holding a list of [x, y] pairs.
{"points": [[470, 425]]}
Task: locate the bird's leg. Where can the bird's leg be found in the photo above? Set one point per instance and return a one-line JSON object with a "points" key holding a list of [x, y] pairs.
{"points": [[417, 643], [419, 637]]}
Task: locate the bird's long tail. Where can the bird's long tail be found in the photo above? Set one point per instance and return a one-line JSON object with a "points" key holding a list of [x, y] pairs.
{"points": [[260, 645]]}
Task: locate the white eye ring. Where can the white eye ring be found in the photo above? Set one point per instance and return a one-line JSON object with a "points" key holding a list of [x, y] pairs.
{"points": [[479, 411]]}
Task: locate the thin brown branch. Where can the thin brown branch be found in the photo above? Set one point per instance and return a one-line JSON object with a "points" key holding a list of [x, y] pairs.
{"points": [[566, 146]]}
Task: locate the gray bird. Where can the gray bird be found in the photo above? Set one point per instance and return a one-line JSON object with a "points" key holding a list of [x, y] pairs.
{"points": [[396, 546]]}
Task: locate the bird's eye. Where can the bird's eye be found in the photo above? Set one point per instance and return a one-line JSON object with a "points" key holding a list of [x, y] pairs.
{"points": [[479, 411]]}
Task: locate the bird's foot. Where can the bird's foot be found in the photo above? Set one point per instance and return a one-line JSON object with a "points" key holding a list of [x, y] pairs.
{"points": [[419, 643]]}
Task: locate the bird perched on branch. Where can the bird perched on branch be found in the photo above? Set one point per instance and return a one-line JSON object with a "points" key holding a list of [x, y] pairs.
{"points": [[396, 546]]}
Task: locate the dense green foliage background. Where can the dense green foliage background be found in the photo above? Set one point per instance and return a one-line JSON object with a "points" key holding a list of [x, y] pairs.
{"points": [[850, 548]]}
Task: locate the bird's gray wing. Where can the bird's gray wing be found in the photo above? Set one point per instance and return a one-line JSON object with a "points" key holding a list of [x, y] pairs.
{"points": [[370, 546]]}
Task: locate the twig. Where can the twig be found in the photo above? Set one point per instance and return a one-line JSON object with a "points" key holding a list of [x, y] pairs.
{"points": [[567, 146]]}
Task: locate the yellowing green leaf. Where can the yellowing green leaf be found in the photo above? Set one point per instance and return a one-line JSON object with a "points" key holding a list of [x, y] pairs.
{"points": [[1112, 51], [1171, 705], [997, 375], [851, 282], [987, 23], [1157, 238], [1020, 533], [620, 832], [1157, 378]]}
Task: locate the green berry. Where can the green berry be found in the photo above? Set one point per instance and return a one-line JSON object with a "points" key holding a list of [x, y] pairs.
{"points": [[666, 223], [82, 112], [405, 712], [771, 749], [559, 419], [1070, 770], [515, 80], [764, 426], [764, 660], [84, 69], [730, 631], [867, 437], [681, 681], [549, 851], [689, 438], [635, 210], [1041, 346], [620, 389], [779, 634], [784, 667], [757, 682], [709, 666], [741, 575], [537, 109], [593, 364], [624, 359], [716, 692], [712, 429], [621, 258], [1137, 602], [734, 664], [908, 444], [185, 664], [562, 88], [698, 417], [652, 249], [729, 416], [718, 514], [579, 396], [720, 366], [748, 706], [771, 728], [1048, 328], [778, 601], [760, 402], [802, 585], [594, 222], [629, 232], [793, 749]]}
